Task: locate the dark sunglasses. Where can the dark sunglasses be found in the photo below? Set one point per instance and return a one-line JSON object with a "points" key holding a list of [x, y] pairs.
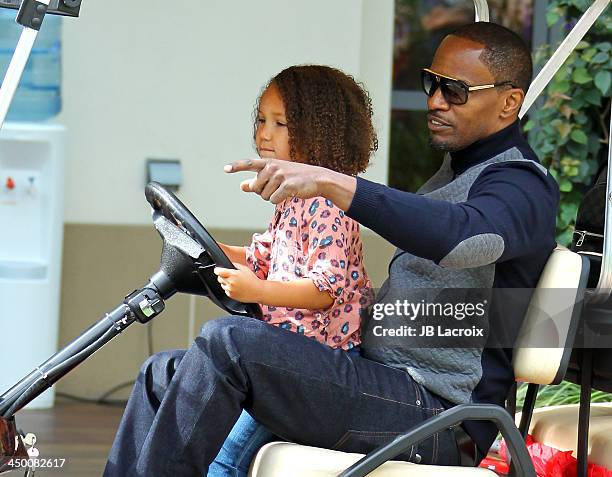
{"points": [[454, 90]]}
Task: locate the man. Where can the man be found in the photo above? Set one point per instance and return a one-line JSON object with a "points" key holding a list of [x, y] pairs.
{"points": [[485, 219]]}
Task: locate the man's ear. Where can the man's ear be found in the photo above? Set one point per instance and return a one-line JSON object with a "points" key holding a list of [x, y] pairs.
{"points": [[513, 100]]}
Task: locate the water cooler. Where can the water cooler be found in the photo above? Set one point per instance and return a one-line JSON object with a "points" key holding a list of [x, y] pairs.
{"points": [[31, 206], [38, 97], [31, 221]]}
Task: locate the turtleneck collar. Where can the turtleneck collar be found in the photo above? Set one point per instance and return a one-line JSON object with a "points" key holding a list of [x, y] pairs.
{"points": [[487, 148]]}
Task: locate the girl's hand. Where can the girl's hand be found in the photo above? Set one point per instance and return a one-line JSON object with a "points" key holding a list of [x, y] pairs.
{"points": [[241, 284]]}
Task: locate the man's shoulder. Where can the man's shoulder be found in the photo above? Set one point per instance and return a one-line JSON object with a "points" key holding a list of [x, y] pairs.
{"points": [[517, 153], [522, 171]]}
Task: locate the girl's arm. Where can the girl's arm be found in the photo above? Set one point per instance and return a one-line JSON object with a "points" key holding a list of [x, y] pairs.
{"points": [[243, 285], [302, 293], [235, 253]]}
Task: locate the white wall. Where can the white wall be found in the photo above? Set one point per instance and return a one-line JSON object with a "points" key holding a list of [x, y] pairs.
{"points": [[375, 71], [153, 79]]}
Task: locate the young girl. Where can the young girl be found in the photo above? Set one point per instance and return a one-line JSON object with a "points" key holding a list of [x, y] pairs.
{"points": [[306, 270]]}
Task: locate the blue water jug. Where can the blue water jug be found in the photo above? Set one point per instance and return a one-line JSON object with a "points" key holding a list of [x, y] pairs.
{"points": [[38, 96]]}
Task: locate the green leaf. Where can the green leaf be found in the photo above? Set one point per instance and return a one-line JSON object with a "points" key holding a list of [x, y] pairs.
{"points": [[579, 136], [565, 239], [589, 53], [581, 118], [600, 57], [577, 103], [582, 5], [582, 45], [593, 97], [554, 173], [581, 76], [552, 17], [560, 87], [568, 65], [563, 128], [602, 81], [605, 46], [577, 151], [568, 211], [594, 144], [585, 170], [580, 62], [529, 125], [565, 185]]}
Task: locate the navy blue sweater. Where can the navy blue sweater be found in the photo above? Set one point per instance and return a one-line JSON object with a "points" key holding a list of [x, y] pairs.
{"points": [[513, 200]]}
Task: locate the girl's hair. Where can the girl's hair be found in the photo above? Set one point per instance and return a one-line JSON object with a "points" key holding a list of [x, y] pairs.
{"points": [[329, 117]]}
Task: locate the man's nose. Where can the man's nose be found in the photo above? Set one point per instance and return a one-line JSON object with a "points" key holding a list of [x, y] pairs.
{"points": [[437, 101]]}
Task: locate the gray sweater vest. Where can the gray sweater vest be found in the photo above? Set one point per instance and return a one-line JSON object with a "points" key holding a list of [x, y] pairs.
{"points": [[451, 373]]}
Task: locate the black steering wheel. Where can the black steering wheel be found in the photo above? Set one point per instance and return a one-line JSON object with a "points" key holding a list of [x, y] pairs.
{"points": [[190, 265]]}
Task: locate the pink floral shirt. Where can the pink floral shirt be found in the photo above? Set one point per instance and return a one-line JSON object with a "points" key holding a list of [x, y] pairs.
{"points": [[314, 239]]}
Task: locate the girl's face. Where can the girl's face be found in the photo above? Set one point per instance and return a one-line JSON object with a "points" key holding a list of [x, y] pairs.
{"points": [[272, 135]]}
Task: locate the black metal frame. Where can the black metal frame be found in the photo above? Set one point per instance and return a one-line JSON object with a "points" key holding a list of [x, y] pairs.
{"points": [[528, 407], [521, 462], [584, 411], [67, 8]]}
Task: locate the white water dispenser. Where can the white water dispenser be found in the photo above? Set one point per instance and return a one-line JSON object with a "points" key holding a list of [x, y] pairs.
{"points": [[31, 230]]}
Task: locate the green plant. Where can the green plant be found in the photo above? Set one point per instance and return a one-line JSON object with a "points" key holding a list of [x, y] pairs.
{"points": [[556, 395], [570, 135], [570, 132]]}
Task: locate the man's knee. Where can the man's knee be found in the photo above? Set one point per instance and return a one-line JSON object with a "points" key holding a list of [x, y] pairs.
{"points": [[232, 327], [219, 325], [231, 335], [160, 367]]}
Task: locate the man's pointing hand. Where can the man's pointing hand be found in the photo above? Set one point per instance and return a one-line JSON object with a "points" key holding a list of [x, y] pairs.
{"points": [[277, 180]]}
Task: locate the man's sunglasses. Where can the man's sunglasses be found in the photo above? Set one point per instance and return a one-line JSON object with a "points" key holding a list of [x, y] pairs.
{"points": [[454, 91]]}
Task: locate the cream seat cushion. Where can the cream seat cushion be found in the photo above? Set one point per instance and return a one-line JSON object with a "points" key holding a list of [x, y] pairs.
{"points": [[284, 459], [541, 344], [557, 426]]}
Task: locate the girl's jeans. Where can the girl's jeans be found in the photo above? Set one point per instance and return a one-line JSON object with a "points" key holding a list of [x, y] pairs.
{"points": [[239, 449]]}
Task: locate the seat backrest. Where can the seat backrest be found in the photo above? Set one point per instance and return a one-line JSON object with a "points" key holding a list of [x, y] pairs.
{"points": [[543, 348]]}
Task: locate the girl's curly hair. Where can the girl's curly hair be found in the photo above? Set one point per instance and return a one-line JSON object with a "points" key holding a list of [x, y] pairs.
{"points": [[329, 117]]}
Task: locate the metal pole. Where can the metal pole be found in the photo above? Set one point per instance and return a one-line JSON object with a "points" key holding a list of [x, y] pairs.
{"points": [[565, 49], [49, 372], [17, 66], [604, 286], [481, 8]]}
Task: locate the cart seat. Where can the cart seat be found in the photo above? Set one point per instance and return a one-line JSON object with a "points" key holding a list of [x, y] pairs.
{"points": [[557, 427], [280, 459]]}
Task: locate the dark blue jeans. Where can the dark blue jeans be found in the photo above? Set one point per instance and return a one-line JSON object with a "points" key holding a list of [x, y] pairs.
{"points": [[185, 403], [242, 444]]}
